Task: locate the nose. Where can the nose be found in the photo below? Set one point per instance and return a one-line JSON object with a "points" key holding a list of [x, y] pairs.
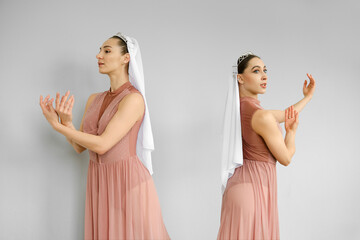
{"points": [[98, 56], [264, 76]]}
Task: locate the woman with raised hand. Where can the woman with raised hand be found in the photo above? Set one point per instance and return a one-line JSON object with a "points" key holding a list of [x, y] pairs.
{"points": [[121, 199], [252, 145]]}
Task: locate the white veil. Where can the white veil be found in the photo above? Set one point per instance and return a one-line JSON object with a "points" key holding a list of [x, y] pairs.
{"points": [[145, 141], [232, 155]]}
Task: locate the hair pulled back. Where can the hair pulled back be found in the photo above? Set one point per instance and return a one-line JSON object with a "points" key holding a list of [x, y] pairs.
{"points": [[244, 63], [122, 44]]}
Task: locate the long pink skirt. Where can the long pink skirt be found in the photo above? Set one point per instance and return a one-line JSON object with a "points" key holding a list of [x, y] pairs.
{"points": [[122, 203], [249, 206]]}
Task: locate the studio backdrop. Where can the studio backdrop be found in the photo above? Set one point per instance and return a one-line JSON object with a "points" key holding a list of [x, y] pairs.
{"points": [[188, 48]]}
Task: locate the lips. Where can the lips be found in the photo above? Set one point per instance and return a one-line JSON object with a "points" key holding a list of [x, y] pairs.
{"points": [[263, 85], [100, 64]]}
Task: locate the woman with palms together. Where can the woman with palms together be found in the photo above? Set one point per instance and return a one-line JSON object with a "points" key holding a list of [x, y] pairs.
{"points": [[252, 146], [121, 199]]}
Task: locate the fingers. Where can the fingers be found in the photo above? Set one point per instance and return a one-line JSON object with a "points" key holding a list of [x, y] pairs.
{"points": [[63, 100], [50, 104], [311, 78], [290, 112], [69, 104], [42, 105], [57, 101]]}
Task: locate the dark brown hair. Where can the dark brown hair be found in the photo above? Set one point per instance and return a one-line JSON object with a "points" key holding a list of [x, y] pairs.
{"points": [[244, 63], [122, 44]]}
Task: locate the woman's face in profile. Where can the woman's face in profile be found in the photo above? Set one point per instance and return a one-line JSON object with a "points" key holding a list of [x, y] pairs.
{"points": [[254, 78], [110, 58]]}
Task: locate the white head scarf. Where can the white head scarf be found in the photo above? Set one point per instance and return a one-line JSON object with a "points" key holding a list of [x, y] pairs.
{"points": [[232, 153], [145, 141]]}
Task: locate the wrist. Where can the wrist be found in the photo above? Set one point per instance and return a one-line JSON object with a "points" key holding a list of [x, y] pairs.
{"points": [[308, 97], [67, 123], [290, 132], [56, 125]]}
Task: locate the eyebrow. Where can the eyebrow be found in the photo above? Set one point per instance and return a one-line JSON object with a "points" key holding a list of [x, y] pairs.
{"points": [[257, 66], [106, 47]]}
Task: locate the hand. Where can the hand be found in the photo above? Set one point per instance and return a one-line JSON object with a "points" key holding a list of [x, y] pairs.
{"points": [[309, 90], [48, 110], [291, 119], [64, 108]]}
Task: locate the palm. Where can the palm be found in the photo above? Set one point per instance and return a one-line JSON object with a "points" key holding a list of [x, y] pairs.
{"points": [[64, 108], [48, 110], [291, 119], [308, 90]]}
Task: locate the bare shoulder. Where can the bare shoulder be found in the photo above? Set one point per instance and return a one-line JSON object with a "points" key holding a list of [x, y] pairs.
{"points": [[132, 104], [262, 119], [135, 99], [263, 116]]}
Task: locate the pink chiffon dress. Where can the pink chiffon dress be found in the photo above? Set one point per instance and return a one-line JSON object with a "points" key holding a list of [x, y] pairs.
{"points": [[121, 199], [249, 205]]}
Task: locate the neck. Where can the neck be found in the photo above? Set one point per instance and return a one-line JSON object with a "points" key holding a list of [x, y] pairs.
{"points": [[117, 79], [244, 93]]}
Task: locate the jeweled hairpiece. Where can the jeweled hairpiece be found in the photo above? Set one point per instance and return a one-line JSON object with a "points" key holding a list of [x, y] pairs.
{"points": [[119, 34], [242, 57]]}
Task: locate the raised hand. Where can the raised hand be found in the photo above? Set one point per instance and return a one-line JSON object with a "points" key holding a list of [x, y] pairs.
{"points": [[308, 90], [48, 110], [64, 108], [291, 119]]}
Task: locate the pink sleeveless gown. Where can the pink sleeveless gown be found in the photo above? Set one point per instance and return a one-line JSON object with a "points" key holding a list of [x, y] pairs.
{"points": [[121, 199], [249, 206]]}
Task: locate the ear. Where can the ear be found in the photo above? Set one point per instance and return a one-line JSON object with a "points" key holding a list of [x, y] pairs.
{"points": [[126, 58], [239, 79]]}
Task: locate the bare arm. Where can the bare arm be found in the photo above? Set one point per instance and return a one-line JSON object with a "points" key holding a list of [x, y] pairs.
{"points": [[64, 110], [264, 123], [130, 110], [308, 91]]}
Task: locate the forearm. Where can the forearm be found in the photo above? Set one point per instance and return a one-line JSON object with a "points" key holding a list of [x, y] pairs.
{"points": [[78, 148], [299, 106], [84, 140], [290, 143]]}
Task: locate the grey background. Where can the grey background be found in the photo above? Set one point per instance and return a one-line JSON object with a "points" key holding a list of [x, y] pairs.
{"points": [[188, 48]]}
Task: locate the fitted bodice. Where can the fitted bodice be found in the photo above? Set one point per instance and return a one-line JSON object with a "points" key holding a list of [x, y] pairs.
{"points": [[254, 146], [96, 125]]}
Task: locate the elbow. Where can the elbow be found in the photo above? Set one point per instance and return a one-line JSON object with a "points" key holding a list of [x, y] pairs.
{"points": [[101, 146], [101, 150], [79, 150], [286, 161]]}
